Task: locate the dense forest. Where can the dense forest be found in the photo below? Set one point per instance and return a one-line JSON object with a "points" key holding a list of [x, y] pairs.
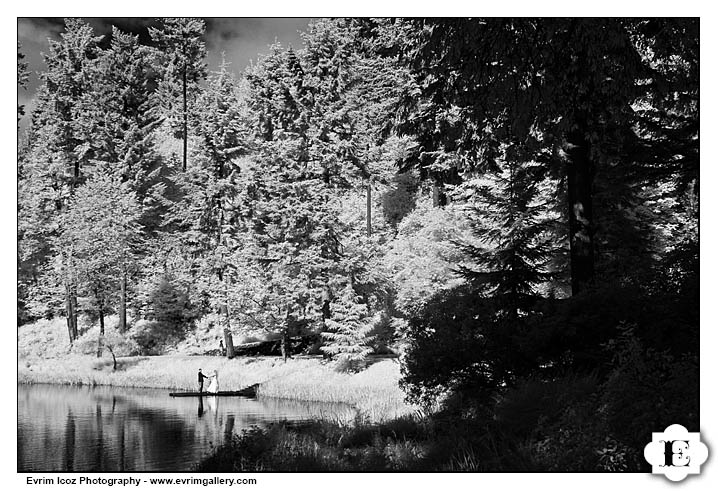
{"points": [[511, 205]]}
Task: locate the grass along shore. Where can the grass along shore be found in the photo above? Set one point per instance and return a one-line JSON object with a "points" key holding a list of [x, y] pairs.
{"points": [[374, 392]]}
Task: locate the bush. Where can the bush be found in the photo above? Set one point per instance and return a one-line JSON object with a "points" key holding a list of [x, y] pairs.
{"points": [[456, 344], [422, 258], [119, 344], [534, 405], [648, 390], [154, 337], [43, 339], [167, 303], [382, 333]]}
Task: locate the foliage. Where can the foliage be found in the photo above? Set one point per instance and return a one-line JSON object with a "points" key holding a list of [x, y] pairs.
{"points": [[382, 333], [100, 234], [455, 344], [43, 338], [347, 332], [180, 59], [648, 388], [155, 337], [22, 78], [422, 259], [400, 200], [516, 233], [166, 303], [116, 342]]}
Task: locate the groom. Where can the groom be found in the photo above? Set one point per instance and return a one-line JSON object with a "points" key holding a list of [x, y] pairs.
{"points": [[200, 379]]}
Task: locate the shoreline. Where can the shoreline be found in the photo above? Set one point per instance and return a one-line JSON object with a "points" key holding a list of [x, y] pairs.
{"points": [[374, 392]]}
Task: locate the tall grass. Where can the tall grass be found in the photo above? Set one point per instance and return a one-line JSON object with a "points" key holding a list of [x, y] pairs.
{"points": [[374, 391]]}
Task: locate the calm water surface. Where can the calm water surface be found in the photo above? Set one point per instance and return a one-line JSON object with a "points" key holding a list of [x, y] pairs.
{"points": [[105, 429]]}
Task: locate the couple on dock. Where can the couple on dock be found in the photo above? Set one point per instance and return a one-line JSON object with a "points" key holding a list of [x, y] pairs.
{"points": [[213, 387]]}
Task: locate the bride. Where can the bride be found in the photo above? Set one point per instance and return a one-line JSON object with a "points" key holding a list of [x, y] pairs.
{"points": [[213, 383]]}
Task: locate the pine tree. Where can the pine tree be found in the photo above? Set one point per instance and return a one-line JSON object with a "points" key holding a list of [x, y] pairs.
{"points": [[576, 80], [347, 331], [117, 125], [70, 71], [288, 194], [182, 54], [203, 216], [517, 234], [315, 148], [57, 157]]}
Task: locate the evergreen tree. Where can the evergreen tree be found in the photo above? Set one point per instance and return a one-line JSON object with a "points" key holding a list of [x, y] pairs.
{"points": [[117, 124], [347, 331], [203, 221], [288, 191], [576, 81], [517, 233], [182, 54], [70, 72], [57, 155]]}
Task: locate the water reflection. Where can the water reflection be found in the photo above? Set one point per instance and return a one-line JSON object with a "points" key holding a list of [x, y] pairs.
{"points": [[113, 429]]}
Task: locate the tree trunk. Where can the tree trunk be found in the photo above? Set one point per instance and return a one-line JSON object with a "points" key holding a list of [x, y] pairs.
{"points": [[285, 345], [437, 195], [70, 314], [123, 303], [228, 325], [184, 125], [228, 343], [580, 175], [368, 208], [101, 315], [73, 302], [224, 312]]}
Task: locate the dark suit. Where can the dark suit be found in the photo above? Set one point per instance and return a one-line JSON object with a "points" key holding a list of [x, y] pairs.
{"points": [[200, 380]]}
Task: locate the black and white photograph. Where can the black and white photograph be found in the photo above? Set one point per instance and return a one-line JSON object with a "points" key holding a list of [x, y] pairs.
{"points": [[358, 244]]}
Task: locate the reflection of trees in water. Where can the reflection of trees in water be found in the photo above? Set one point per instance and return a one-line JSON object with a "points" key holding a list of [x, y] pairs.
{"points": [[105, 429], [99, 450], [70, 442], [83, 429]]}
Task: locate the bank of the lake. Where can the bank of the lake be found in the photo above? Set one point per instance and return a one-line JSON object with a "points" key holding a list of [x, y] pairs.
{"points": [[374, 392]]}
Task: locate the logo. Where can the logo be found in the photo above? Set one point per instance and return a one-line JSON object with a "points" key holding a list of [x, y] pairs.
{"points": [[676, 453]]}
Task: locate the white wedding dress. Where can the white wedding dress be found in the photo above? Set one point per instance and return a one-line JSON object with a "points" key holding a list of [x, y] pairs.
{"points": [[213, 384]]}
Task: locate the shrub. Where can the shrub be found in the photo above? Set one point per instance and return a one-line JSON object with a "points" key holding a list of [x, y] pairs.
{"points": [[166, 302], [535, 405], [154, 337], [43, 339], [422, 258], [113, 341], [382, 333], [648, 390], [456, 344]]}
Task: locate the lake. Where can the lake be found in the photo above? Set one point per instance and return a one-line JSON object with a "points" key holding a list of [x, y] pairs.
{"points": [[106, 429]]}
